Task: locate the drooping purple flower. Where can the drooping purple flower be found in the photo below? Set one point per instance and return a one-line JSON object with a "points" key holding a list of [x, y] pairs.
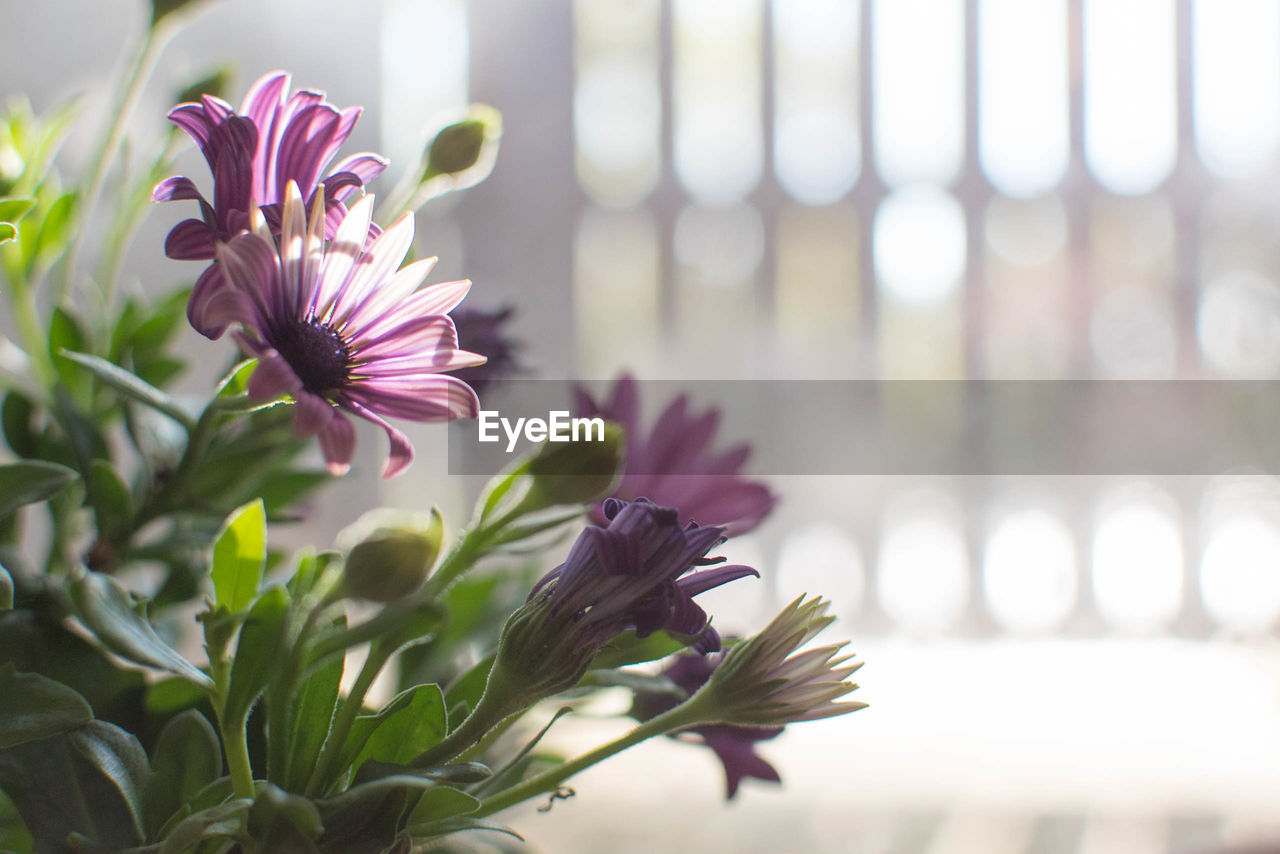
{"points": [[484, 331], [340, 330], [632, 574], [674, 465], [277, 137], [734, 746]]}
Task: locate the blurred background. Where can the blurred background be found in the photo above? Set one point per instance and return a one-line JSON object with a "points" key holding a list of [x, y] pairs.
{"points": [[904, 189]]}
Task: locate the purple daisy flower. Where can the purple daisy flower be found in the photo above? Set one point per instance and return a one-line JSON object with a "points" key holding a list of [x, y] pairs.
{"points": [[734, 746], [276, 138], [484, 332], [340, 329], [633, 574], [673, 463]]}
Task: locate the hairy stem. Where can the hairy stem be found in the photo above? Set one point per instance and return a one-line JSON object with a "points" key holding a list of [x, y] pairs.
{"points": [[678, 718]]}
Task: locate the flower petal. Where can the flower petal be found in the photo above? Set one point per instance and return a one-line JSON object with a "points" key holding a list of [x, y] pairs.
{"points": [[190, 240], [311, 414], [338, 442], [273, 377], [377, 264], [176, 188], [401, 451], [344, 249]]}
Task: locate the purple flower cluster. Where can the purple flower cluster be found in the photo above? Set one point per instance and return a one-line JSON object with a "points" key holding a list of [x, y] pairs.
{"points": [[674, 465], [315, 288], [275, 138]]}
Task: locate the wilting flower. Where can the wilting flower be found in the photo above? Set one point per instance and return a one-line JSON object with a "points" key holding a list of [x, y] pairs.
{"points": [[340, 330], [765, 682], [484, 331], [733, 745], [673, 463], [633, 574], [276, 138]]}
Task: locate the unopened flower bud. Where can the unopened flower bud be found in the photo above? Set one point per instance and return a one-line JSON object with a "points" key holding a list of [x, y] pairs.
{"points": [[578, 471], [392, 559], [161, 9], [465, 145]]}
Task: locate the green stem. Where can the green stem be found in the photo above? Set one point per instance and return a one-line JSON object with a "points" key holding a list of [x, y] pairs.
{"points": [[348, 710], [237, 750], [163, 500], [130, 217], [140, 69], [680, 717], [234, 743], [26, 316]]}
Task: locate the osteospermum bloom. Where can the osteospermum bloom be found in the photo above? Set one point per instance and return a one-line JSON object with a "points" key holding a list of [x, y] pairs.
{"points": [[734, 746], [674, 465], [765, 681], [340, 330], [275, 138], [634, 574]]}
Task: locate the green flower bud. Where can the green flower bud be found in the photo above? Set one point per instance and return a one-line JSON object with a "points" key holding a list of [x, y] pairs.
{"points": [[467, 146], [391, 559], [576, 472]]}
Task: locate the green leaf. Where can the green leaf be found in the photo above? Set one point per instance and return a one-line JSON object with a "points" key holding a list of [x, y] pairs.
{"points": [[65, 333], [259, 654], [469, 687], [55, 229], [440, 803], [17, 415], [633, 680], [12, 210], [220, 820], [130, 385], [7, 232], [312, 716], [279, 821], [414, 720], [627, 648], [117, 619], [186, 759], [32, 481], [6, 590], [33, 707], [87, 781], [239, 555], [110, 498]]}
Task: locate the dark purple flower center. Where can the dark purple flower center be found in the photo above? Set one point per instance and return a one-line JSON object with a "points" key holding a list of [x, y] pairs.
{"points": [[317, 354]]}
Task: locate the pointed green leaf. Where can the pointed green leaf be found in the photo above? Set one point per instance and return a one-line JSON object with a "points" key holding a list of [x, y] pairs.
{"points": [[414, 720], [31, 481], [259, 654], [8, 232], [628, 648], [33, 707], [239, 555], [313, 708], [221, 820], [186, 759], [116, 618], [12, 210], [440, 803], [131, 385], [86, 781], [279, 821]]}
